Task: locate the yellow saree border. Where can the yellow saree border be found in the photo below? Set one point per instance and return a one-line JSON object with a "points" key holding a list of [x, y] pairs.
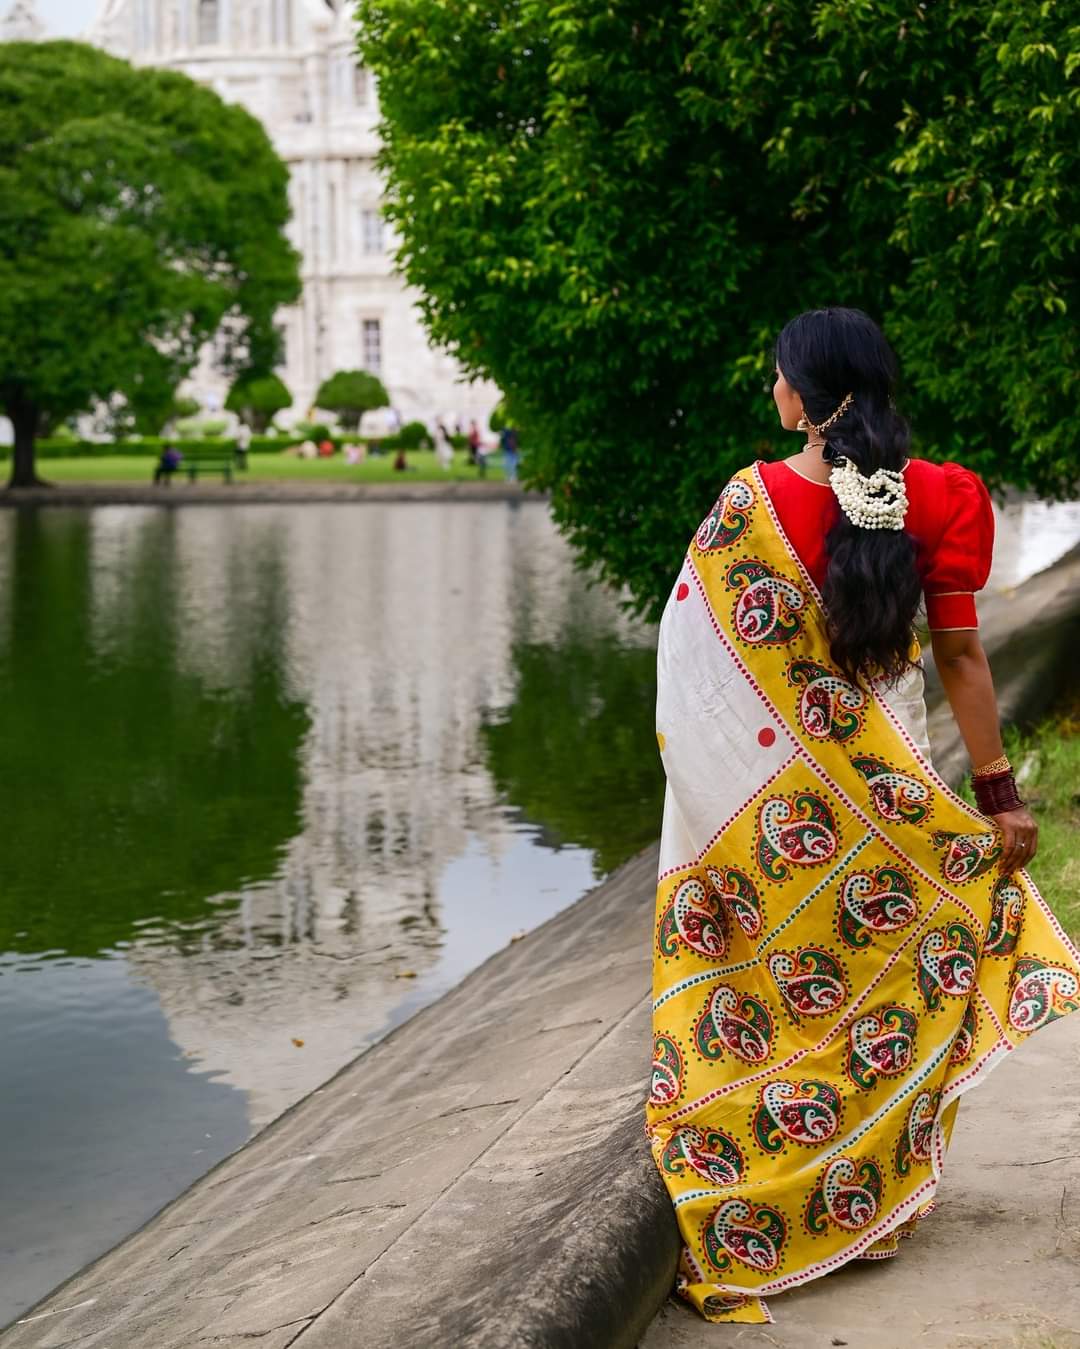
{"points": [[836, 961]]}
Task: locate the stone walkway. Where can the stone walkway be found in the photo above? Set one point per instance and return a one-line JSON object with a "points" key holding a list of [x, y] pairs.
{"points": [[998, 1262]]}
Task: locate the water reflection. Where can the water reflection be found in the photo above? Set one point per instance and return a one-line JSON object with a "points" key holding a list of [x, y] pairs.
{"points": [[267, 793]]}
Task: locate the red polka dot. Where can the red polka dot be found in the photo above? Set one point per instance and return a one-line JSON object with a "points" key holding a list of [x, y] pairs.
{"points": [[766, 737], [682, 591]]}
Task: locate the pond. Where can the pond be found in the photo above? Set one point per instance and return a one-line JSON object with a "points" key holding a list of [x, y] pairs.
{"points": [[274, 778]]}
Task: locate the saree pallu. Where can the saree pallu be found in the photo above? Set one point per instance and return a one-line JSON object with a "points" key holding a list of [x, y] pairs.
{"points": [[836, 956]]}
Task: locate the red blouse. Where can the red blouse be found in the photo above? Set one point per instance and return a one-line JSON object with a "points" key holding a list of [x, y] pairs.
{"points": [[949, 515]]}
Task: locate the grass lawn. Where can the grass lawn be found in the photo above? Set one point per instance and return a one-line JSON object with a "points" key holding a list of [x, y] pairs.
{"points": [[272, 468], [1047, 764]]}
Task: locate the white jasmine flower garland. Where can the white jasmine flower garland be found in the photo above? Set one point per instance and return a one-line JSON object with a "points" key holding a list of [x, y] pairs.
{"points": [[877, 502]]}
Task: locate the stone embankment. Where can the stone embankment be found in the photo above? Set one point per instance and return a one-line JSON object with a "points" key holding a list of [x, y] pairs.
{"points": [[479, 1179], [290, 491]]}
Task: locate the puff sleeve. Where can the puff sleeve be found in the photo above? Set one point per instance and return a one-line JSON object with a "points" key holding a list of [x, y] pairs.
{"points": [[959, 563]]}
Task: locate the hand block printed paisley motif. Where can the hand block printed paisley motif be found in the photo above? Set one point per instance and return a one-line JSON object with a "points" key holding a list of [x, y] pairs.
{"points": [[913, 1145], [696, 919], [966, 855], [752, 1234], [727, 521], [713, 1155], [795, 831], [807, 1112], [735, 1021], [848, 1194], [736, 891], [881, 1044], [667, 1070], [829, 707], [1042, 992], [766, 612], [1006, 914], [897, 797], [948, 957], [871, 902], [964, 1044], [810, 980]]}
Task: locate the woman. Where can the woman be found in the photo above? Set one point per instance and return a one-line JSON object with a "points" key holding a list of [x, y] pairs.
{"points": [[842, 946], [444, 450]]}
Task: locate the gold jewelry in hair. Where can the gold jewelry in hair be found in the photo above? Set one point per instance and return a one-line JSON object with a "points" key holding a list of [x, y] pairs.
{"points": [[805, 424], [1000, 765]]}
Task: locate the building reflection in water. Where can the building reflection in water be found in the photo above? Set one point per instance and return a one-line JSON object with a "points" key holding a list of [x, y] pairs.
{"points": [[396, 628]]}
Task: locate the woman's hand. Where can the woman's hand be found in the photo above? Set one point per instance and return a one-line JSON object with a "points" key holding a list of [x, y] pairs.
{"points": [[1019, 838]]}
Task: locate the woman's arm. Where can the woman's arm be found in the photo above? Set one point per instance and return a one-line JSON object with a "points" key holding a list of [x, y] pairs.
{"points": [[970, 688], [965, 675]]}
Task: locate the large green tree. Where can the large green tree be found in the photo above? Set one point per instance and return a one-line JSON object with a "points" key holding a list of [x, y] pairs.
{"points": [[140, 215], [612, 209]]}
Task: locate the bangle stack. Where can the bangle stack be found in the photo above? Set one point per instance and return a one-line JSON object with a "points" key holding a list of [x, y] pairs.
{"points": [[995, 787]]}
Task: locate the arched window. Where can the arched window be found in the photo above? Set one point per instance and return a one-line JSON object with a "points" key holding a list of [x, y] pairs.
{"points": [[208, 23]]}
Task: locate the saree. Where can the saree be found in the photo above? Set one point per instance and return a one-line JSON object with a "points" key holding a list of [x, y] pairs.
{"points": [[836, 955]]}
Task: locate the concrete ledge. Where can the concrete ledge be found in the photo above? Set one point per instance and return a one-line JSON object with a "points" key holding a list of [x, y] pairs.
{"points": [[287, 492], [480, 1178]]}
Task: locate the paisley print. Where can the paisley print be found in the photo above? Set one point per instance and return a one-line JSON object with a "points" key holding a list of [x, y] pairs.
{"points": [[913, 1145], [727, 521], [1041, 993], [964, 1044], [876, 901], [766, 612], [695, 919], [897, 797], [829, 707], [711, 1154], [1006, 915], [807, 1112], [881, 1044], [966, 855], [810, 980], [794, 831], [667, 1070], [848, 1194], [948, 957], [736, 891], [822, 981], [735, 1021], [754, 1235]]}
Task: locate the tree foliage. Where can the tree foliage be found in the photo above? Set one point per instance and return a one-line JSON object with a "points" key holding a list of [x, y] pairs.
{"points": [[140, 215], [351, 393], [611, 210], [256, 398]]}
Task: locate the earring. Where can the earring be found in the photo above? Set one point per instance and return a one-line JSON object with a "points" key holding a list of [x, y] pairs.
{"points": [[802, 424]]}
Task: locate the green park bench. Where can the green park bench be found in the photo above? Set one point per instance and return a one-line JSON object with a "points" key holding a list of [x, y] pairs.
{"points": [[211, 459]]}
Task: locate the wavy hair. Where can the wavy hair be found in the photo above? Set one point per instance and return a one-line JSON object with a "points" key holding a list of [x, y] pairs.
{"points": [[872, 587]]}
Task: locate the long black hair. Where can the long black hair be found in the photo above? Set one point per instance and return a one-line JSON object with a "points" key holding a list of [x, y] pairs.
{"points": [[872, 587]]}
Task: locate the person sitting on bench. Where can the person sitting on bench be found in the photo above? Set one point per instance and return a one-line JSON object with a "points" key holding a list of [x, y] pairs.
{"points": [[167, 465]]}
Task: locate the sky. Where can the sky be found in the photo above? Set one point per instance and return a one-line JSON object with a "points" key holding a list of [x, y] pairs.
{"points": [[62, 18]]}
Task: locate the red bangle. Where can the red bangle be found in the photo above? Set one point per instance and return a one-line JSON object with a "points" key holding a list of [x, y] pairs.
{"points": [[996, 793]]}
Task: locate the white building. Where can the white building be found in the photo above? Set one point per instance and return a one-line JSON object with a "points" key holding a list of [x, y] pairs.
{"points": [[291, 63]]}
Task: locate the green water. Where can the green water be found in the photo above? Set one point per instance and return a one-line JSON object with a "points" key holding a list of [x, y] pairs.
{"points": [[257, 762]]}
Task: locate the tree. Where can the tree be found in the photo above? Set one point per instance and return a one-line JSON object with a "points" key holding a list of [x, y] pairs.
{"points": [[351, 393], [256, 399], [140, 215], [610, 211]]}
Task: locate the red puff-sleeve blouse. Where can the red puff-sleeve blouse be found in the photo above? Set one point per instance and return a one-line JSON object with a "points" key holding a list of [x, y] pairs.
{"points": [[949, 516]]}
